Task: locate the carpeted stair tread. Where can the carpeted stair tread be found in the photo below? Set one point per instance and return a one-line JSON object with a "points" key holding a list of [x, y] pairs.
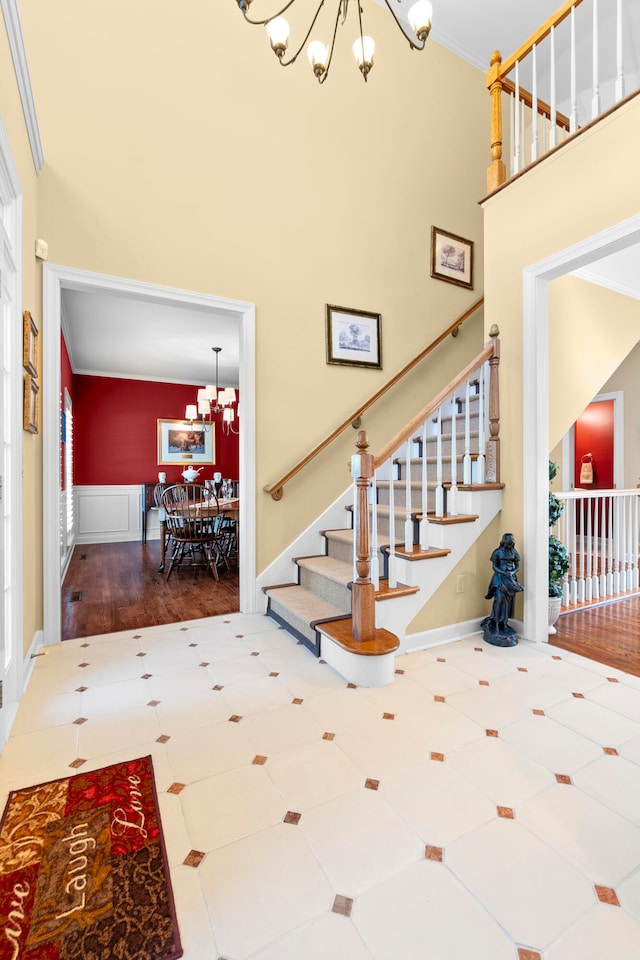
{"points": [[328, 567], [300, 607]]}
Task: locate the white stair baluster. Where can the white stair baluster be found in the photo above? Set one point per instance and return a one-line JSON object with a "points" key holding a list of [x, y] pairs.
{"points": [[581, 554], [375, 555], [408, 520], [552, 97], [392, 527], [563, 537], [588, 593], [610, 549], [595, 100], [634, 546], [602, 552], [481, 461], [572, 505], [534, 106], [595, 578], [355, 527], [626, 566], [452, 502], [466, 463], [619, 54], [616, 546], [573, 116], [512, 127], [516, 143], [439, 489], [424, 523]]}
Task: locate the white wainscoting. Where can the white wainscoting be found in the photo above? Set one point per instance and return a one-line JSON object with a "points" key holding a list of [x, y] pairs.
{"points": [[109, 514]]}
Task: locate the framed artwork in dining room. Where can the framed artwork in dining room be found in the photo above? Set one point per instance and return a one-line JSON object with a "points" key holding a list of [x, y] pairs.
{"points": [[353, 337], [451, 258], [180, 441], [29, 344]]}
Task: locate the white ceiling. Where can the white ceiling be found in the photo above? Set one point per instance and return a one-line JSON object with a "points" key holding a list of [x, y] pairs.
{"points": [[113, 335]]}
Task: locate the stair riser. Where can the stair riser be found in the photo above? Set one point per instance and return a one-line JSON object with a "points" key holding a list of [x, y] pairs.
{"points": [[328, 589]]}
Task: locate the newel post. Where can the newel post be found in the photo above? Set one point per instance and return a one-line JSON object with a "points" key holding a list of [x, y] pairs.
{"points": [[496, 172], [363, 591], [493, 444]]}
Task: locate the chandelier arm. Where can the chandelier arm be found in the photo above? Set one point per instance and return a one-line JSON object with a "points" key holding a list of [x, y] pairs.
{"points": [[364, 72], [413, 42], [287, 63], [262, 23], [333, 43]]}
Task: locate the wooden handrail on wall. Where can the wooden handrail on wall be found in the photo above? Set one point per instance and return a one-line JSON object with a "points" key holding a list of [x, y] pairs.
{"points": [[275, 490], [497, 82]]}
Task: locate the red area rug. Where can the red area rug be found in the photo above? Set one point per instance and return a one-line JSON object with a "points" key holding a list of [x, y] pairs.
{"points": [[83, 870]]}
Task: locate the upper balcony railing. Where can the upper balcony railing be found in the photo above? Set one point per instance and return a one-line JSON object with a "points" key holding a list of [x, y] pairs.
{"points": [[573, 69]]}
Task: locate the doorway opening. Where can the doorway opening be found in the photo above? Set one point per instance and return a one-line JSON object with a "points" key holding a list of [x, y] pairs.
{"points": [[57, 280]]}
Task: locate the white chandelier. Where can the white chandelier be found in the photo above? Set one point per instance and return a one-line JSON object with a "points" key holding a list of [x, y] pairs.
{"points": [[211, 400], [320, 54]]}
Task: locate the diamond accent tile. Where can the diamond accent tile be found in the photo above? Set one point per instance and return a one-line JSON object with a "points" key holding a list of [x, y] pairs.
{"points": [[80, 720], [297, 700], [328, 736], [563, 778], [176, 788], [371, 784], [523, 670], [83, 664], [322, 661], [556, 657], [153, 703], [183, 629], [441, 660], [218, 686], [538, 713], [140, 654], [194, 858], [342, 905], [351, 686], [193, 644], [434, 853], [439, 699], [477, 649], [437, 756], [234, 718], [274, 673], [255, 653], [81, 689], [163, 738], [611, 751], [77, 763], [578, 696], [203, 664], [526, 954], [259, 760], [85, 644], [400, 672], [137, 636], [606, 895], [292, 817], [146, 676], [613, 680], [492, 733], [239, 636], [483, 683], [506, 812], [388, 716]]}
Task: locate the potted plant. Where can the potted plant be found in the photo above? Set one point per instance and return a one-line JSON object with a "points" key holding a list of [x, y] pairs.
{"points": [[558, 556]]}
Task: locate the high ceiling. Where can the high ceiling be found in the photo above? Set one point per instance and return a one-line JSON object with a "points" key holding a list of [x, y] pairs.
{"points": [[111, 335]]}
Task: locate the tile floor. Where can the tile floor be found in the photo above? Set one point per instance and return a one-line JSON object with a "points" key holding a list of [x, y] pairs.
{"points": [[485, 806]]}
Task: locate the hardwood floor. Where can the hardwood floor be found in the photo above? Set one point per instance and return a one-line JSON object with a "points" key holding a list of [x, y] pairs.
{"points": [[609, 634], [121, 589]]}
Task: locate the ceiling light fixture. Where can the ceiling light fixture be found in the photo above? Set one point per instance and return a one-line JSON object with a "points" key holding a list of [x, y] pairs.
{"points": [[320, 55], [212, 400]]}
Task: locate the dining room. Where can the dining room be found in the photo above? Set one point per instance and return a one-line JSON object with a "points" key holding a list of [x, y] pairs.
{"points": [[149, 406]]}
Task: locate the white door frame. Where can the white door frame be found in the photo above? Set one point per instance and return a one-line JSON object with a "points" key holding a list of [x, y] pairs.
{"points": [[13, 674], [535, 420], [55, 280]]}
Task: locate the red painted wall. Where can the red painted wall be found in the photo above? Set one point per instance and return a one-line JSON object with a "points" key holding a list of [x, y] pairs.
{"points": [[116, 436], [593, 433], [66, 380]]}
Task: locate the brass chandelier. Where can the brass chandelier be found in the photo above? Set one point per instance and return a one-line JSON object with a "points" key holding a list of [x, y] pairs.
{"points": [[320, 54]]}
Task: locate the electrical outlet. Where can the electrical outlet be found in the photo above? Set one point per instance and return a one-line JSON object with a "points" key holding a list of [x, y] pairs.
{"points": [[461, 583]]}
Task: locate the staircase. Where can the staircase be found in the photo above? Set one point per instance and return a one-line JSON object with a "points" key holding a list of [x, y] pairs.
{"points": [[420, 524]]}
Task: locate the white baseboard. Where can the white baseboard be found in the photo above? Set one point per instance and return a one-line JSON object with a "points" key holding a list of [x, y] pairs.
{"points": [[449, 634], [29, 661]]}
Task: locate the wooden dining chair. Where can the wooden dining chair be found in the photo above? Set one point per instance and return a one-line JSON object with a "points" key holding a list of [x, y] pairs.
{"points": [[192, 514]]}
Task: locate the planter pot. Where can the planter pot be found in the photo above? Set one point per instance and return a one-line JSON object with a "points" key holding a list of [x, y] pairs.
{"points": [[554, 612]]}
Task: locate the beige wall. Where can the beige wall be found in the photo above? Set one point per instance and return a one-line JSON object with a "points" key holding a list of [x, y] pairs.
{"points": [[627, 379], [31, 299], [178, 152], [589, 185]]}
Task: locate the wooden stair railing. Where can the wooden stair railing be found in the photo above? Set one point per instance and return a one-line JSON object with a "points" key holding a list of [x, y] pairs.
{"points": [[365, 464], [276, 490]]}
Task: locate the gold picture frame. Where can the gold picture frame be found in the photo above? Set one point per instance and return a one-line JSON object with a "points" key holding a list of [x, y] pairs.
{"points": [[29, 344], [354, 337], [451, 258], [31, 405], [190, 444]]}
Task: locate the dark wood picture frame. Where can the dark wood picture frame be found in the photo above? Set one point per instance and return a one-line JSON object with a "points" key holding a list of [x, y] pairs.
{"points": [[451, 258], [354, 337], [29, 344], [30, 405]]}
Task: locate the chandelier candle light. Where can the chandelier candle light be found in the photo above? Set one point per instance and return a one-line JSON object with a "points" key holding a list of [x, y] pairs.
{"points": [[419, 16], [211, 400]]}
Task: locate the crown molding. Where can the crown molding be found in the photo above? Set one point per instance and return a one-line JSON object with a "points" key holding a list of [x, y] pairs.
{"points": [[21, 68]]}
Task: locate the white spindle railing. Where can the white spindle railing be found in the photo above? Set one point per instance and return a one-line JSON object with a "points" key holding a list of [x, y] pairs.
{"points": [[601, 531], [554, 93]]}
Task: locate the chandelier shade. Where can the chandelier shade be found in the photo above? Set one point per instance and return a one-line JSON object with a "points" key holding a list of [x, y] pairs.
{"points": [[320, 53], [212, 400]]}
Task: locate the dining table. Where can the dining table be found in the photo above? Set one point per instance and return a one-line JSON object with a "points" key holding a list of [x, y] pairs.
{"points": [[228, 507]]}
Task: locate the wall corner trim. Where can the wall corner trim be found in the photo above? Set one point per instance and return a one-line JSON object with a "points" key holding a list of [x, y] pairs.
{"points": [[21, 68]]}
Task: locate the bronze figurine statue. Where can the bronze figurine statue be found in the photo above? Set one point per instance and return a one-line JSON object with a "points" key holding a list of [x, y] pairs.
{"points": [[504, 585]]}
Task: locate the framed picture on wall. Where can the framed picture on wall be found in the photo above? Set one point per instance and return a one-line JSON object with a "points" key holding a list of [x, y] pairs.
{"points": [[353, 337], [30, 405], [180, 441], [29, 344], [451, 258]]}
